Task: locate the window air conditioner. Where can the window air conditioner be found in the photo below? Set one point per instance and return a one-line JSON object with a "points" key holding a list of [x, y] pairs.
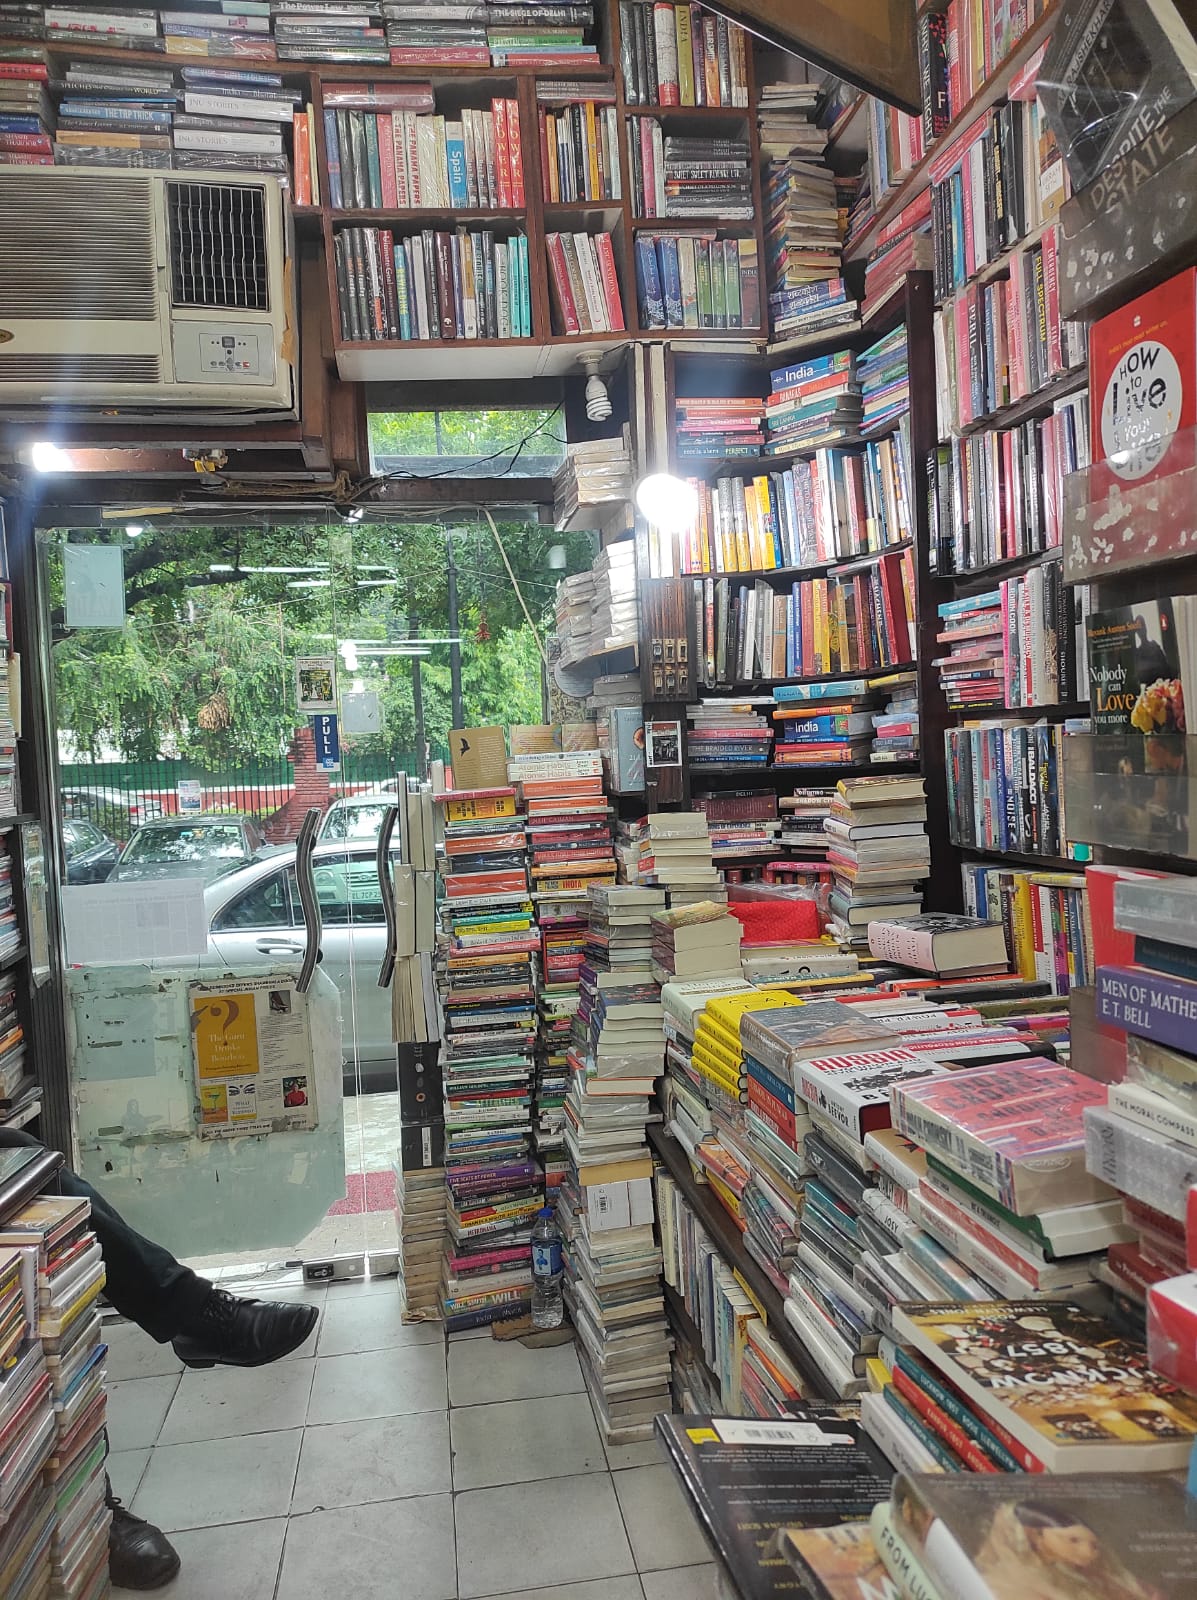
{"points": [[145, 292]]}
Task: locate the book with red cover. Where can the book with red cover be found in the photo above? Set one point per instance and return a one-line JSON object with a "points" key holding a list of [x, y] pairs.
{"points": [[1143, 384]]}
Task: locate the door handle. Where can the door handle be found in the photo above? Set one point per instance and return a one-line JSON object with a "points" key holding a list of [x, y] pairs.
{"points": [[286, 947], [386, 884], [312, 920]]}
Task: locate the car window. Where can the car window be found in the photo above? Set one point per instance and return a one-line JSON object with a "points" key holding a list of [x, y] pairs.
{"points": [[348, 890], [86, 836], [354, 822], [188, 843], [266, 905]]}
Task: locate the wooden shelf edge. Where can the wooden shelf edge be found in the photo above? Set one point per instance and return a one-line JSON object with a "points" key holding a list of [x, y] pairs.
{"points": [[1021, 410], [725, 1236], [1025, 858], [997, 569]]}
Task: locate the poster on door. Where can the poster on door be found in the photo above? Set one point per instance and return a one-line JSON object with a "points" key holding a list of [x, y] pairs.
{"points": [[326, 741], [252, 1051]]}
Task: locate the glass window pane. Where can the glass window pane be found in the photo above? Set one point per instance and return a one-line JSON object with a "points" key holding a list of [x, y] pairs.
{"points": [[266, 905]]}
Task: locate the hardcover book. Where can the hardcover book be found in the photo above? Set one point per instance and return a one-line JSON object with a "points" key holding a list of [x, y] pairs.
{"points": [[940, 943], [1015, 1131], [747, 1479], [853, 1091], [1135, 669], [1107, 1534], [1062, 1382]]}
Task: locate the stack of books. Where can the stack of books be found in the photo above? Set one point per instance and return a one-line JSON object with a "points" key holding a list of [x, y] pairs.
{"points": [[896, 725], [669, 850], [403, 157], [804, 220], [584, 283], [823, 732], [115, 25], [676, 175], [579, 144], [680, 55], [533, 35], [230, 28], [420, 1219], [813, 404], [598, 611], [27, 1497], [884, 374], [693, 279], [22, 19], [110, 114], [740, 822], [803, 814], [463, 285], [487, 984], [974, 630], [878, 849], [436, 36], [10, 930], [1142, 1142], [593, 472], [20, 1092], [327, 32], [569, 840], [718, 426], [728, 733], [694, 941], [26, 111], [235, 120], [903, 245], [613, 1262]]}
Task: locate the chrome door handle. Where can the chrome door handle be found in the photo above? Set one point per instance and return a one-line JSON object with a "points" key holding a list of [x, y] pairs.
{"points": [[312, 920], [386, 884], [285, 947]]}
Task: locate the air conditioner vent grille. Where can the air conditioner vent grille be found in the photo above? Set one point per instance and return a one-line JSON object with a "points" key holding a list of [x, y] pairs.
{"points": [[217, 237], [46, 272], [79, 368]]}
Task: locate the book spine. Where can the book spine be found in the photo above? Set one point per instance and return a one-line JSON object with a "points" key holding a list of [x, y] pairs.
{"points": [[1149, 1004]]}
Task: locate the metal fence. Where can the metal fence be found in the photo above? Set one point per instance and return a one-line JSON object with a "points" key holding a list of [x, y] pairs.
{"points": [[119, 795]]}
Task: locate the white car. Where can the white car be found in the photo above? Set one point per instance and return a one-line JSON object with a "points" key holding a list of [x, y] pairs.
{"points": [[255, 912], [356, 819]]}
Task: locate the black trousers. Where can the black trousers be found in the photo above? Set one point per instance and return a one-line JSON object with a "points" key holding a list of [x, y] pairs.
{"points": [[145, 1282]]}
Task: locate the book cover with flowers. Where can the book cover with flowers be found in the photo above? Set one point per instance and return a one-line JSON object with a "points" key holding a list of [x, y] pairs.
{"points": [[1134, 670]]}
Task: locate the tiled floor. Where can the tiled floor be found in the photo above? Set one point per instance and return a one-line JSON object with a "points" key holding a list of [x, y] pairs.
{"points": [[379, 1461]]}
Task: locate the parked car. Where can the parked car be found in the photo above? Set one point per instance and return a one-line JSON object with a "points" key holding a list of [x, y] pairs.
{"points": [[90, 853], [101, 804], [255, 912], [203, 846], [356, 817]]}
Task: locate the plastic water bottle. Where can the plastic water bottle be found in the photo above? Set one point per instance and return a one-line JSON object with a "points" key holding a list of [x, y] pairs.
{"points": [[548, 1304]]}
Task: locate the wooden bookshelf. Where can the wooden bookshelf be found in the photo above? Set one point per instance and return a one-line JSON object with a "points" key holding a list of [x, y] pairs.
{"points": [[728, 1240]]}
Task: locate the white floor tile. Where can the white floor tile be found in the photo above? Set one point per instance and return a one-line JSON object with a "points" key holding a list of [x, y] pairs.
{"points": [[481, 1372], [125, 1470], [379, 1383], [506, 1539], [646, 1454], [660, 1524], [136, 1410], [229, 1401], [133, 1354], [371, 1322], [385, 1458], [397, 1548], [347, 1288], [239, 1562], [597, 1589], [681, 1583], [216, 1481], [471, 1333], [518, 1441]]}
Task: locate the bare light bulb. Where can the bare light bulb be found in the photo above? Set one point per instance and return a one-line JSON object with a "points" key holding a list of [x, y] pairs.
{"points": [[668, 502]]}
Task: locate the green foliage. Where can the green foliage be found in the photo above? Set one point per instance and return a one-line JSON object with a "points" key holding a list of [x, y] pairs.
{"points": [[204, 667], [527, 439]]}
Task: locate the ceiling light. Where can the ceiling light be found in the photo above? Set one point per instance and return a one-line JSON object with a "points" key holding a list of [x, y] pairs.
{"points": [[377, 583], [557, 557], [47, 457], [598, 402], [669, 503], [135, 529]]}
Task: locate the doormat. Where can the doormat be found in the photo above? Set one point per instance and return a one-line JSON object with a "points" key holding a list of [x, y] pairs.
{"points": [[366, 1191]]}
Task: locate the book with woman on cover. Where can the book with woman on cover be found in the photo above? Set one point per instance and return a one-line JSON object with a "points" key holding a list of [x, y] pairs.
{"points": [[1095, 1537]]}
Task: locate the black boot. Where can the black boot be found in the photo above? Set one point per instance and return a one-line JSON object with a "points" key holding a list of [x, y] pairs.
{"points": [[140, 1556], [243, 1333]]}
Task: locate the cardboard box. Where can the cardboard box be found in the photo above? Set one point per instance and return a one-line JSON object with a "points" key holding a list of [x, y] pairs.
{"points": [[479, 758]]}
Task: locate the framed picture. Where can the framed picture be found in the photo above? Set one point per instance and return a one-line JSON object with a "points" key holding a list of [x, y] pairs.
{"points": [[315, 684], [37, 922]]}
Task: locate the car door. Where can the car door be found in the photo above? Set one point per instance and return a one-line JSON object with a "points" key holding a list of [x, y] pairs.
{"points": [[353, 942], [263, 920]]}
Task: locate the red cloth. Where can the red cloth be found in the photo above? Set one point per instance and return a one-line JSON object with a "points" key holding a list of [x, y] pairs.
{"points": [[779, 921]]}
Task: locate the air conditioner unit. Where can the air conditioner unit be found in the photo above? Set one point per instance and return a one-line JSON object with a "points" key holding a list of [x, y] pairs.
{"points": [[133, 292]]}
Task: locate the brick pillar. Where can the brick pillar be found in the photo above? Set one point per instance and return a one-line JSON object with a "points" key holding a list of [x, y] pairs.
{"points": [[312, 788]]}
